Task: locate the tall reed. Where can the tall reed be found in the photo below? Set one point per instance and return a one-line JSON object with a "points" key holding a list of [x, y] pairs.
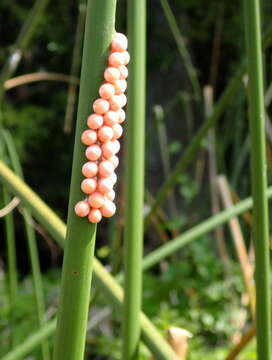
{"points": [[134, 179], [80, 238], [258, 177]]}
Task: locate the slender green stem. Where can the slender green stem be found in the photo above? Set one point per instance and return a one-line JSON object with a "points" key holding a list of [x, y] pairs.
{"points": [[184, 53], [11, 262], [259, 177], [106, 283], [196, 141], [32, 244], [80, 239], [133, 237]]}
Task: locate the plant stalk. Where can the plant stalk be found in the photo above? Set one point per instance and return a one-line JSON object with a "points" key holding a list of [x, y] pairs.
{"points": [[134, 193], [258, 177], [80, 237]]}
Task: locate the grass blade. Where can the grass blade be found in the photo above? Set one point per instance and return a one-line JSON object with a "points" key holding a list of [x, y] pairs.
{"points": [[133, 239], [259, 177], [80, 238]]}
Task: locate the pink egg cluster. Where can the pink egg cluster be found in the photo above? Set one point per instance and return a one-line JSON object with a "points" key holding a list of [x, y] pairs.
{"points": [[101, 137]]}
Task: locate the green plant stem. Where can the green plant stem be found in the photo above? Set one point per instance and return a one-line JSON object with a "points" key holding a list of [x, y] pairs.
{"points": [[32, 341], [134, 193], [259, 177], [11, 262], [80, 239], [185, 56], [105, 282], [196, 141], [32, 244]]}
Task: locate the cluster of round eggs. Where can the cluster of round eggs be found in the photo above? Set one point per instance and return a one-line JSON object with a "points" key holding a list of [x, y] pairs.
{"points": [[101, 137]]}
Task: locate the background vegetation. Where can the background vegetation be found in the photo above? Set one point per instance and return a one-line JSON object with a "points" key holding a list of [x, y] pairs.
{"points": [[199, 288]]}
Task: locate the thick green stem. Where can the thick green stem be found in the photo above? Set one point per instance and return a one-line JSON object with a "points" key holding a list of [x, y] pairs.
{"points": [[134, 179], [106, 283], [80, 238], [259, 177], [32, 244]]}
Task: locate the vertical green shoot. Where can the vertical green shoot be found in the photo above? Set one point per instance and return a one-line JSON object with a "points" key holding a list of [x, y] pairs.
{"points": [[259, 177], [134, 179], [80, 238]]}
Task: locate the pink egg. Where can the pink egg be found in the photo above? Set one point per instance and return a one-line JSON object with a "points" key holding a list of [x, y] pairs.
{"points": [[116, 144], [116, 59], [116, 102], [108, 149], [126, 57], [105, 168], [120, 86], [95, 216], [95, 121], [111, 118], [96, 200], [108, 209], [101, 106], [89, 169], [110, 195], [123, 71], [114, 160], [117, 131], [82, 208], [105, 133], [93, 152], [113, 178], [88, 186], [123, 99], [89, 137], [104, 185], [111, 74], [119, 42], [106, 91], [122, 115]]}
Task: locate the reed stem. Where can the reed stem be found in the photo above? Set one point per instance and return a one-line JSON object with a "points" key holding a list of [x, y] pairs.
{"points": [[133, 237], [258, 177], [80, 238]]}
